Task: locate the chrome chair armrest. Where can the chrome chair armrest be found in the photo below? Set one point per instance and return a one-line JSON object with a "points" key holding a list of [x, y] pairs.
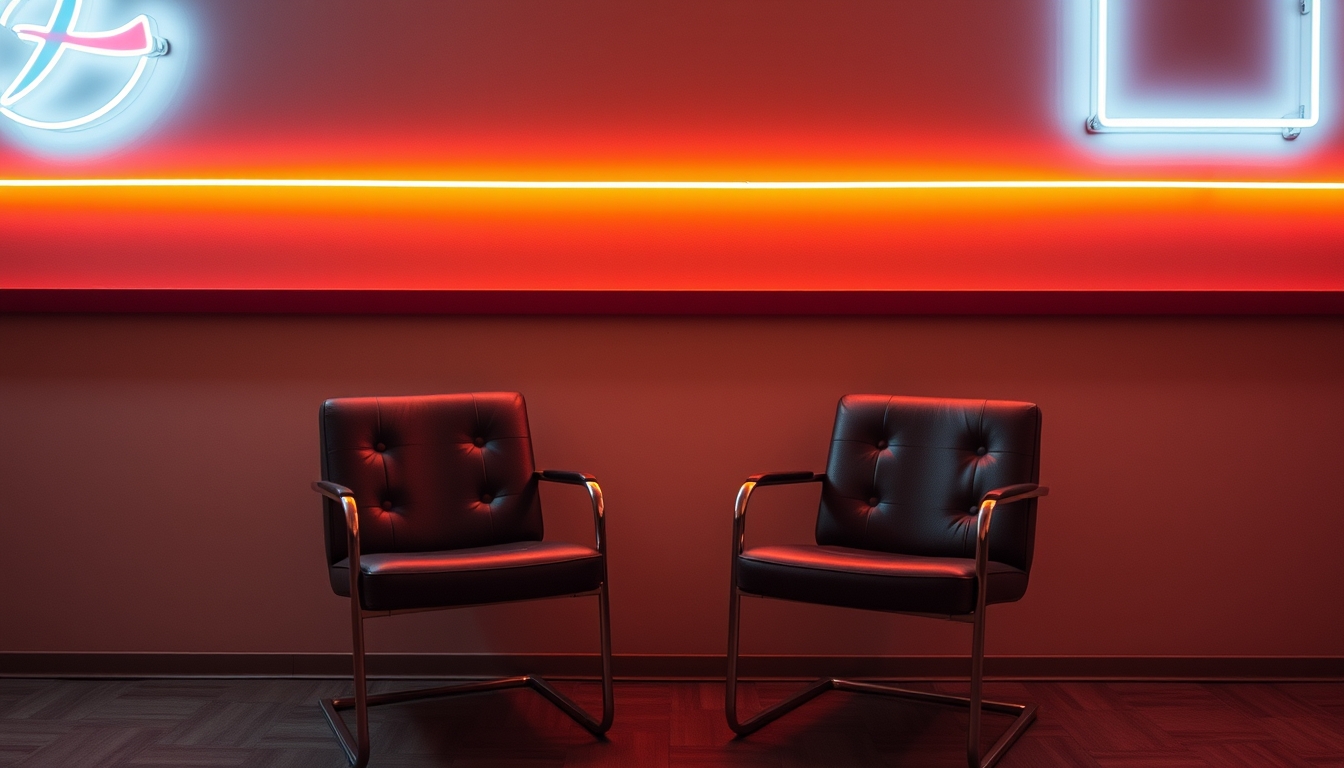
{"points": [[785, 478], [346, 498], [333, 491], [564, 476], [744, 498], [594, 494], [1010, 493], [1005, 495]]}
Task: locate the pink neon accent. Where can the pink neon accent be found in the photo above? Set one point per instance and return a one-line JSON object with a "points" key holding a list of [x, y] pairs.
{"points": [[134, 38]]}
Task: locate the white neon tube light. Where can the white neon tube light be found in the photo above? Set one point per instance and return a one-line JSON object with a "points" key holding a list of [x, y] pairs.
{"points": [[1103, 121], [52, 41], [1301, 186]]}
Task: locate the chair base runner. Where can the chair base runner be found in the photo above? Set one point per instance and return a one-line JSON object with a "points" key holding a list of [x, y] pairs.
{"points": [[332, 707], [1025, 714]]}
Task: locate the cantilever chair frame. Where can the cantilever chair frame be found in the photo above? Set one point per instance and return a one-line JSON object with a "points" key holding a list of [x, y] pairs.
{"points": [[1024, 714], [356, 745]]}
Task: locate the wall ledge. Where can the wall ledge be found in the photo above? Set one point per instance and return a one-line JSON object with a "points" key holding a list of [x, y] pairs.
{"points": [[690, 302], [670, 666]]}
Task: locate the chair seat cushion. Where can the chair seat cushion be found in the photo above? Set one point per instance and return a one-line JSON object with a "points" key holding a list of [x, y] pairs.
{"points": [[522, 570], [880, 581]]}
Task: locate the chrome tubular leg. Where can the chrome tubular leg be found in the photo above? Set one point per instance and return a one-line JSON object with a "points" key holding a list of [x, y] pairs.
{"points": [[770, 714], [855, 686], [356, 746], [420, 694], [730, 689], [567, 705], [977, 686], [361, 692], [1024, 714], [608, 695]]}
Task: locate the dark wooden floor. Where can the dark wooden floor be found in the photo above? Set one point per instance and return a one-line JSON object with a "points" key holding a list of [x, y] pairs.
{"points": [[277, 724]]}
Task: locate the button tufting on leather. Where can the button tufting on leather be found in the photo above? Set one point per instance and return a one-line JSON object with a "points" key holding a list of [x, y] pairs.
{"points": [[380, 447], [478, 442], [981, 451], [874, 501], [387, 505], [486, 498], [881, 445], [974, 510]]}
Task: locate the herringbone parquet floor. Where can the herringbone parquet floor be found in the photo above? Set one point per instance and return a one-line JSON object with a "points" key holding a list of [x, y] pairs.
{"points": [[276, 723]]}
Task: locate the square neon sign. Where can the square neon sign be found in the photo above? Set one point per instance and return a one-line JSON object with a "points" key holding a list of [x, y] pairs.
{"points": [[1107, 56]]}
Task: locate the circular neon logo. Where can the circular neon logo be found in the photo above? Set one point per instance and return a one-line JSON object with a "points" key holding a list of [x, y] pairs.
{"points": [[74, 77]]}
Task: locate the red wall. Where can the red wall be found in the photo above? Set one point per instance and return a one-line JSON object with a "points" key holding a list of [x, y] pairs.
{"points": [[155, 475], [155, 470]]}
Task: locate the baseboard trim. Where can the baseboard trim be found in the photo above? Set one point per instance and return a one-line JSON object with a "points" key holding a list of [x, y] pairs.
{"points": [[667, 666]]}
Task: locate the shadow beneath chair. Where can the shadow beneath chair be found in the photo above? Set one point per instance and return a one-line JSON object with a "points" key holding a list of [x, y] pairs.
{"points": [[841, 728], [661, 724], [515, 725]]}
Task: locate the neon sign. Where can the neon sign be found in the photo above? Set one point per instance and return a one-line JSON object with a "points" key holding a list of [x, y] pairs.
{"points": [[53, 41], [1307, 100]]}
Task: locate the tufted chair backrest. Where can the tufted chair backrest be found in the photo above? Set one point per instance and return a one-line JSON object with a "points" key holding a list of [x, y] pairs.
{"points": [[905, 475], [431, 473]]}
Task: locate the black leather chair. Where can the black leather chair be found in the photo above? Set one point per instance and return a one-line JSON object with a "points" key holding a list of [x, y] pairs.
{"points": [[911, 487], [432, 502]]}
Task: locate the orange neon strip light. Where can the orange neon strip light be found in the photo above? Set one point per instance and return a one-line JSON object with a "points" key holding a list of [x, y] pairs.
{"points": [[1327, 186]]}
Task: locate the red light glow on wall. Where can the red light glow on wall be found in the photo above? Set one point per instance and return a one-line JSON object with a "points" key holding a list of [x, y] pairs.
{"points": [[767, 90]]}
